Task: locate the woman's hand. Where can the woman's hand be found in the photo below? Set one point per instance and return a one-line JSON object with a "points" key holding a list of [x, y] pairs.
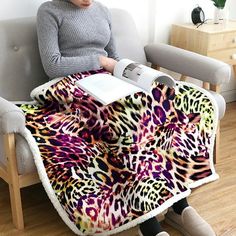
{"points": [[107, 63]]}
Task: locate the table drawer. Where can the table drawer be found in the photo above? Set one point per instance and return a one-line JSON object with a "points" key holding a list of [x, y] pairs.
{"points": [[227, 55], [222, 41]]}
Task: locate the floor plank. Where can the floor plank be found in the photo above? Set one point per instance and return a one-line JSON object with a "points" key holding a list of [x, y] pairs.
{"points": [[215, 201]]}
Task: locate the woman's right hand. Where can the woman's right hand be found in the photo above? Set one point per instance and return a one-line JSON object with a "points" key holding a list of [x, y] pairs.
{"points": [[107, 63]]}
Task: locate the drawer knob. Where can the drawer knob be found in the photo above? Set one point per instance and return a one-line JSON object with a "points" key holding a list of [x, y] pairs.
{"points": [[233, 56], [234, 40]]}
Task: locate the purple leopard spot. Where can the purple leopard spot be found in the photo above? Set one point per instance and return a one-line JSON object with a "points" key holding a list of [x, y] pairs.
{"points": [[78, 93], [181, 188], [160, 113], [134, 149], [64, 138], [55, 142], [91, 121], [80, 204], [181, 115], [156, 94], [156, 175], [166, 105], [63, 92], [167, 174], [135, 138], [170, 185], [170, 94], [168, 165], [114, 220], [156, 121], [61, 154], [92, 212], [86, 114]]}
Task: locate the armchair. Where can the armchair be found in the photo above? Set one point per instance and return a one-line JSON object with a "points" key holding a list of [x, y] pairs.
{"points": [[21, 71]]}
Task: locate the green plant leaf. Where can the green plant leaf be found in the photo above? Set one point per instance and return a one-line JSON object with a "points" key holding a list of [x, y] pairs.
{"points": [[219, 3]]}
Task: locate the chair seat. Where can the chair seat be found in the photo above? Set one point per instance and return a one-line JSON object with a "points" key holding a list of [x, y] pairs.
{"points": [[25, 161]]}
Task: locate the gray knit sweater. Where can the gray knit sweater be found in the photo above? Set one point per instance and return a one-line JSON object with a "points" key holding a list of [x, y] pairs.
{"points": [[71, 39]]}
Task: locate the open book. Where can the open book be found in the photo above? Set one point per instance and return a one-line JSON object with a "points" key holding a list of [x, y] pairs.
{"points": [[128, 77]]}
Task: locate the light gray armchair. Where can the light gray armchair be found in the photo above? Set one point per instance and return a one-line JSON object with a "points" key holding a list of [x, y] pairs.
{"points": [[21, 71]]}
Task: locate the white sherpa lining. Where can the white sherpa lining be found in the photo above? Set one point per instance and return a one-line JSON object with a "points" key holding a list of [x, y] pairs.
{"points": [[40, 89]]}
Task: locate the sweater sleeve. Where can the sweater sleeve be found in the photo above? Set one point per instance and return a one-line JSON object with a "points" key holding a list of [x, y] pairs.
{"points": [[56, 65], [111, 47]]}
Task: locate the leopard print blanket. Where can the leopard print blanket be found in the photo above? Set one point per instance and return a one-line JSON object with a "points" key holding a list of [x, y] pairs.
{"points": [[108, 168]]}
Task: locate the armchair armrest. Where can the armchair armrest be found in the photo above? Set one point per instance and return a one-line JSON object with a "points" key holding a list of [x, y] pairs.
{"points": [[188, 63], [12, 118]]}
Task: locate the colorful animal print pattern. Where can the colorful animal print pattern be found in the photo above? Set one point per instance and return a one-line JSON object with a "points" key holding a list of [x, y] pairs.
{"points": [[109, 165]]}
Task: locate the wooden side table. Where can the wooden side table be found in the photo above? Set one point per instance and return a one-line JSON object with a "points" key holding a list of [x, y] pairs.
{"points": [[213, 40]]}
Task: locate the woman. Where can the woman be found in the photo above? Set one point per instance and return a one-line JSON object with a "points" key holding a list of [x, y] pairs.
{"points": [[70, 42], [75, 36]]}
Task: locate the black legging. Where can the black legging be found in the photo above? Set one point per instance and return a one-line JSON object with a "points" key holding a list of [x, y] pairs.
{"points": [[152, 227]]}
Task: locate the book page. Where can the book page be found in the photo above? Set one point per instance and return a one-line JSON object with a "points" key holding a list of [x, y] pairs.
{"points": [[106, 88], [141, 75], [129, 77]]}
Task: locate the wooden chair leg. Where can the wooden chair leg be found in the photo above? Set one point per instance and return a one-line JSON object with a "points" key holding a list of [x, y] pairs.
{"points": [[183, 78], [14, 186], [234, 69], [217, 145], [206, 85], [215, 88], [156, 67]]}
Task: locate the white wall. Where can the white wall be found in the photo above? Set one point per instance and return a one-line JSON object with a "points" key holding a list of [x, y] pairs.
{"points": [[153, 18], [231, 4], [18, 8], [21, 8], [179, 12]]}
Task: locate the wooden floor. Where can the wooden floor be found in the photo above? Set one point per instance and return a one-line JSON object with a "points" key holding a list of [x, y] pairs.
{"points": [[216, 201]]}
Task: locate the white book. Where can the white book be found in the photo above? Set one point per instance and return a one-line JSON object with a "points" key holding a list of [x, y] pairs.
{"points": [[128, 78]]}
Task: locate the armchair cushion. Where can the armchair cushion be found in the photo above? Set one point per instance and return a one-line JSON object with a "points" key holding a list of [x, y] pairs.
{"points": [[25, 160], [24, 157], [20, 65], [127, 39]]}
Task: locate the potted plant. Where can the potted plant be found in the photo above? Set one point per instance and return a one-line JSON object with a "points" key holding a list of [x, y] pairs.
{"points": [[219, 12], [219, 3]]}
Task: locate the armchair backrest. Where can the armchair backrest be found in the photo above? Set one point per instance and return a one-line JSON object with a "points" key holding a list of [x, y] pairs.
{"points": [[20, 65], [128, 42]]}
